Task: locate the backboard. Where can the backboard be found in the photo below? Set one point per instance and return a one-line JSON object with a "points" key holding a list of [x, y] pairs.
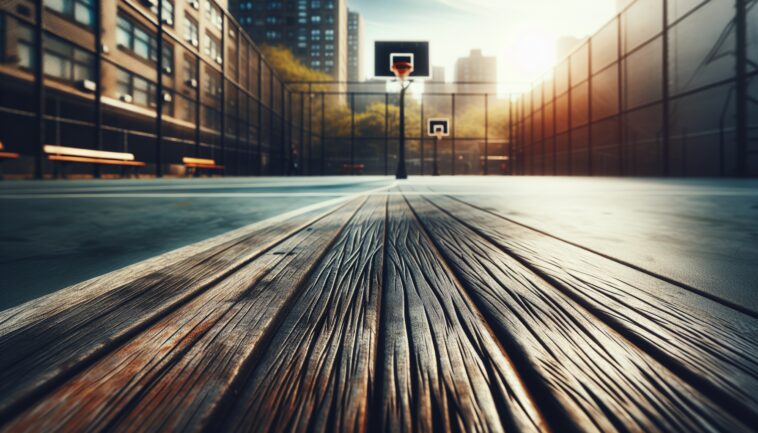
{"points": [[438, 127], [387, 53]]}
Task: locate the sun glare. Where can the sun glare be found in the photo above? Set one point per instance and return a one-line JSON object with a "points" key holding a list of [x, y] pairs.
{"points": [[533, 53]]}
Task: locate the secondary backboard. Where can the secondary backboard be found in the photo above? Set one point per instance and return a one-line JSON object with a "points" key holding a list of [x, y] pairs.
{"points": [[387, 53], [438, 127]]}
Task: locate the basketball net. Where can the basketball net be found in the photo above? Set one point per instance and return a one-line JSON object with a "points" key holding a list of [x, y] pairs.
{"points": [[402, 70], [439, 135]]}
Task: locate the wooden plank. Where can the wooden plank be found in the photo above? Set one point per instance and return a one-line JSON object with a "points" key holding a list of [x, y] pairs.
{"points": [[9, 155], [44, 347], [319, 373], [174, 375], [441, 368], [712, 346], [584, 373], [43, 308]]}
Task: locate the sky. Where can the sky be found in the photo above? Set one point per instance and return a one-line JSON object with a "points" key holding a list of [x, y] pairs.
{"points": [[521, 33]]}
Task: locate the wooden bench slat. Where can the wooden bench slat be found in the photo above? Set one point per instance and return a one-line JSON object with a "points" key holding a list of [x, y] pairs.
{"points": [[95, 160], [185, 363], [87, 153], [442, 368], [654, 313], [45, 347], [326, 344], [212, 167], [9, 155], [602, 381]]}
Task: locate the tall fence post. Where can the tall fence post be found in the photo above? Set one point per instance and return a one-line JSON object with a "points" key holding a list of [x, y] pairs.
{"points": [[386, 133], [291, 137], [452, 142], [98, 106], [510, 134], [620, 95], [302, 119], [742, 88], [486, 133], [260, 114], [543, 164], [39, 86], [666, 133], [323, 135], [310, 126], [421, 136], [555, 128], [352, 133], [590, 168], [198, 107], [271, 114], [570, 126], [286, 153], [159, 96]]}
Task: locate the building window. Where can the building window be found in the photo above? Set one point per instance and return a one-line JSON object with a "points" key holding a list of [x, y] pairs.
{"points": [[141, 91], [212, 47], [25, 45], [136, 39], [190, 30], [212, 86], [214, 15], [316, 19], [189, 72], [329, 35], [168, 11], [65, 61], [315, 35], [168, 59], [186, 108], [80, 11], [211, 118], [315, 4]]}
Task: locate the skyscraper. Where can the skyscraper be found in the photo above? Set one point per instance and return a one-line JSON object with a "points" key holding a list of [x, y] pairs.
{"points": [[314, 30], [355, 46], [479, 68]]}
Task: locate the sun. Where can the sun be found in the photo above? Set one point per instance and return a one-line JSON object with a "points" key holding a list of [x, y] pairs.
{"points": [[533, 53]]}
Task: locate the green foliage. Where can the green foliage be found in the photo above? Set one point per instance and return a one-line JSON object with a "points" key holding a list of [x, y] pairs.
{"points": [[289, 67], [370, 122]]}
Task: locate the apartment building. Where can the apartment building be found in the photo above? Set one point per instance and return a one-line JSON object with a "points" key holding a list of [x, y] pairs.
{"points": [[217, 95]]}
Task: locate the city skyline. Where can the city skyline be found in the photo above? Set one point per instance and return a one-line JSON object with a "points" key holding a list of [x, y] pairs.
{"points": [[522, 36]]}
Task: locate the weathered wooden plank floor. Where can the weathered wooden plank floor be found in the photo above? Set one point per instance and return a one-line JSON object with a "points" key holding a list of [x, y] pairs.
{"points": [[387, 313]]}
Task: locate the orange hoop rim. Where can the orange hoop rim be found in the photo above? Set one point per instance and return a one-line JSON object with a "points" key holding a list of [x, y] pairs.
{"points": [[402, 69]]}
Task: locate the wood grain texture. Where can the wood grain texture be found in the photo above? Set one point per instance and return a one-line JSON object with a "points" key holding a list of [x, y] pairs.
{"points": [[41, 309], [442, 370], [38, 353], [318, 375], [173, 376], [712, 345], [593, 377]]}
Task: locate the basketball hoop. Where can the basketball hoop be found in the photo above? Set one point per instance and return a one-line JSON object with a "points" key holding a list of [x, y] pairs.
{"points": [[402, 70]]}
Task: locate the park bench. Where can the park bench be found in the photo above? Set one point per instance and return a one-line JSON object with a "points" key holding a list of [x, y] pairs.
{"points": [[5, 155], [352, 168], [63, 154], [195, 164]]}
